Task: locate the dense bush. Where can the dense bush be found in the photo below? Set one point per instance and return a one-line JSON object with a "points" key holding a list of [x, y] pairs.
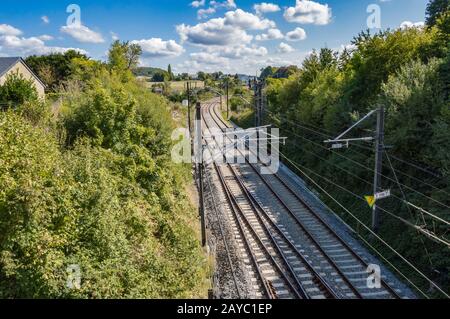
{"points": [[97, 189], [54, 69], [16, 91]]}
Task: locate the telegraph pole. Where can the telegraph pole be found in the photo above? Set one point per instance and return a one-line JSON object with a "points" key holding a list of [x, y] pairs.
{"points": [[228, 108], [189, 105], [261, 103], [379, 149], [199, 160], [256, 95]]}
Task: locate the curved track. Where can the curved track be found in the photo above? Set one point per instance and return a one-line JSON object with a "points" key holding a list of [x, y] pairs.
{"points": [[288, 249]]}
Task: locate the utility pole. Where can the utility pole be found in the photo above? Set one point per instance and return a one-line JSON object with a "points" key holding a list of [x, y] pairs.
{"points": [[256, 96], [199, 160], [379, 149], [189, 105], [340, 142], [228, 108], [261, 103], [257, 119]]}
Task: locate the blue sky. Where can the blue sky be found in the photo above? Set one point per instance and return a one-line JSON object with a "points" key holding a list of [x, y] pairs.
{"points": [[228, 35]]}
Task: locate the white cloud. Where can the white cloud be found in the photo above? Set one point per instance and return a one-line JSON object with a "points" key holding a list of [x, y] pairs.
{"points": [[213, 32], [82, 33], [241, 51], [6, 29], [246, 20], [204, 13], [285, 48], [229, 30], [271, 34], [114, 36], [13, 45], [45, 37], [208, 58], [265, 7], [227, 4], [308, 12], [156, 47], [45, 19], [409, 24], [296, 35], [197, 4]]}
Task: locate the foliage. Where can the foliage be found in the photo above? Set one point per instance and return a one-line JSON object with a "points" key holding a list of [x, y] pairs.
{"points": [[406, 70], [160, 76], [235, 103], [146, 71], [266, 72], [170, 73], [54, 69], [81, 207], [435, 9], [123, 57], [99, 192], [17, 90]]}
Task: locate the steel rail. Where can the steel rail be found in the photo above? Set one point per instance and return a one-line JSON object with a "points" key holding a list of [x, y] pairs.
{"points": [[222, 233], [236, 207], [317, 278], [320, 218]]}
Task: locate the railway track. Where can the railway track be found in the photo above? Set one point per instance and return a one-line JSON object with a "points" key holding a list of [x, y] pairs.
{"points": [[290, 251]]}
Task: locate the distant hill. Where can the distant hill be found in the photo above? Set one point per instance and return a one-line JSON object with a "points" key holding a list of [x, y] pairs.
{"points": [[147, 71]]}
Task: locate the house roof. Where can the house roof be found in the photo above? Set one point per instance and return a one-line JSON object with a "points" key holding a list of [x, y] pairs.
{"points": [[7, 63]]}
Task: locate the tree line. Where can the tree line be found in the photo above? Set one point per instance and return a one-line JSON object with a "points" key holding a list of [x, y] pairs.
{"points": [[89, 185], [407, 71]]}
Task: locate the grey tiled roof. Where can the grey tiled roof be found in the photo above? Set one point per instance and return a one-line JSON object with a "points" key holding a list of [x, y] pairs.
{"points": [[7, 63]]}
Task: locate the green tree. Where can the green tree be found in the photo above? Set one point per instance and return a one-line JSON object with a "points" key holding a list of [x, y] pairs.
{"points": [[16, 91], [160, 76], [170, 73], [266, 72], [380, 55], [124, 56], [435, 9], [54, 69]]}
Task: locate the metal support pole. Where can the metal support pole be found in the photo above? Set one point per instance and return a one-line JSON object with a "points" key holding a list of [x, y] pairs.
{"points": [[189, 106], [257, 121], [228, 108], [199, 160], [261, 102], [255, 94], [379, 148]]}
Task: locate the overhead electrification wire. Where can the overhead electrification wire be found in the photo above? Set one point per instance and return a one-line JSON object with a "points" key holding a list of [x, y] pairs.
{"points": [[328, 135], [425, 232], [370, 184], [296, 165], [367, 168]]}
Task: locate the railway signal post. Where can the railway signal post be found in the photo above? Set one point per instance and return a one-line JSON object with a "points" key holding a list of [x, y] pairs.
{"points": [[199, 164], [379, 149]]}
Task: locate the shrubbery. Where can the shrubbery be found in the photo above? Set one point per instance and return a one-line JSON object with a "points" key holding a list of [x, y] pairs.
{"points": [[98, 190]]}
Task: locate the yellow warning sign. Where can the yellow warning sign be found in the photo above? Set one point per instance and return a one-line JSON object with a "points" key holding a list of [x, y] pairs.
{"points": [[370, 200]]}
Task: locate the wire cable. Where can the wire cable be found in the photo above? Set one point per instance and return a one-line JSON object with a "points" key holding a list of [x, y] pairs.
{"points": [[367, 168], [375, 235], [356, 145]]}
